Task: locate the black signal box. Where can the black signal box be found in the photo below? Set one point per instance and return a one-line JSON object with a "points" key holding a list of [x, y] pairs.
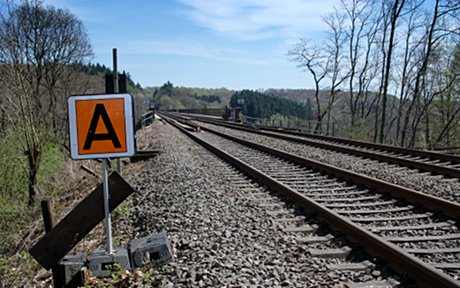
{"points": [[121, 84]]}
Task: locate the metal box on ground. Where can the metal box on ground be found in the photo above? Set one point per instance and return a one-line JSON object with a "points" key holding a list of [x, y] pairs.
{"points": [[102, 264], [68, 272], [150, 251]]}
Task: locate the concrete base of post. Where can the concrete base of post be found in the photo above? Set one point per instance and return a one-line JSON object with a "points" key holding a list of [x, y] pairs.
{"points": [[68, 271], [102, 264]]}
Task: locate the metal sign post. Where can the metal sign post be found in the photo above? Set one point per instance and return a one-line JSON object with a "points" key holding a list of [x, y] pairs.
{"points": [[102, 126], [108, 221], [116, 90]]}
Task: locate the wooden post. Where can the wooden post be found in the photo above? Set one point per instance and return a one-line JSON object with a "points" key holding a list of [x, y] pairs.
{"points": [[48, 221]]}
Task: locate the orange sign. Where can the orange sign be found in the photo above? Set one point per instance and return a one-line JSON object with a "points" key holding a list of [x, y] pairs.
{"points": [[99, 126]]}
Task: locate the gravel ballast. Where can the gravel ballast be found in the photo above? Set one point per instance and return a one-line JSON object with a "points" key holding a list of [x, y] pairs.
{"points": [[220, 236], [446, 188]]}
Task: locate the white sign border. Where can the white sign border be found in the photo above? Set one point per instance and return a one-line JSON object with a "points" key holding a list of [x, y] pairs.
{"points": [[129, 126]]}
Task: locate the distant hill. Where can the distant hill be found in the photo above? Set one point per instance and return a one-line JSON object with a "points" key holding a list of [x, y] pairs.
{"points": [[262, 105], [299, 95], [279, 103], [341, 105], [170, 97]]}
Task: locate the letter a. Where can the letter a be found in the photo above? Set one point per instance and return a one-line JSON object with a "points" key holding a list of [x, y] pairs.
{"points": [[99, 112]]}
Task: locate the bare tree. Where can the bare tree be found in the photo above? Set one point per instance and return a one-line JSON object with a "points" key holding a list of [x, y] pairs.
{"points": [[396, 68], [405, 65], [441, 23], [38, 46], [448, 104], [362, 26], [439, 106], [334, 48], [395, 6], [312, 58], [358, 13]]}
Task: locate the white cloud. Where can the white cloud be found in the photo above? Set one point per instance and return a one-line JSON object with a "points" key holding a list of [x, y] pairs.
{"points": [[260, 19], [190, 47]]}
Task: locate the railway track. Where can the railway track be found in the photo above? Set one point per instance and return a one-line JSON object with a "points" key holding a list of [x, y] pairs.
{"points": [[426, 182], [386, 219], [428, 161]]}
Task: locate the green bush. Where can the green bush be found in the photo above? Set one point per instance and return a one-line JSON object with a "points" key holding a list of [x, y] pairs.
{"points": [[15, 214], [13, 171]]}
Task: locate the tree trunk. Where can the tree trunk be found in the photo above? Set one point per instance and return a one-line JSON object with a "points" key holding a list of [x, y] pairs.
{"points": [[447, 126], [32, 182], [319, 117], [396, 10], [33, 159]]}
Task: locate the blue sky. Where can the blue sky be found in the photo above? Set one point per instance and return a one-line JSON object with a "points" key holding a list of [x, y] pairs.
{"points": [[236, 44]]}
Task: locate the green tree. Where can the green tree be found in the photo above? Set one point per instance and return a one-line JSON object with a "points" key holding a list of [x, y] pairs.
{"points": [[309, 114], [167, 89], [260, 105]]}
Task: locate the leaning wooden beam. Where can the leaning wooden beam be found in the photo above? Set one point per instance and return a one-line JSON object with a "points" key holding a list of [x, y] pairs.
{"points": [[54, 245]]}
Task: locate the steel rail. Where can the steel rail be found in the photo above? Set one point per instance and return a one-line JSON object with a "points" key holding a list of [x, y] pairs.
{"points": [[448, 208], [389, 148], [425, 274], [422, 166]]}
